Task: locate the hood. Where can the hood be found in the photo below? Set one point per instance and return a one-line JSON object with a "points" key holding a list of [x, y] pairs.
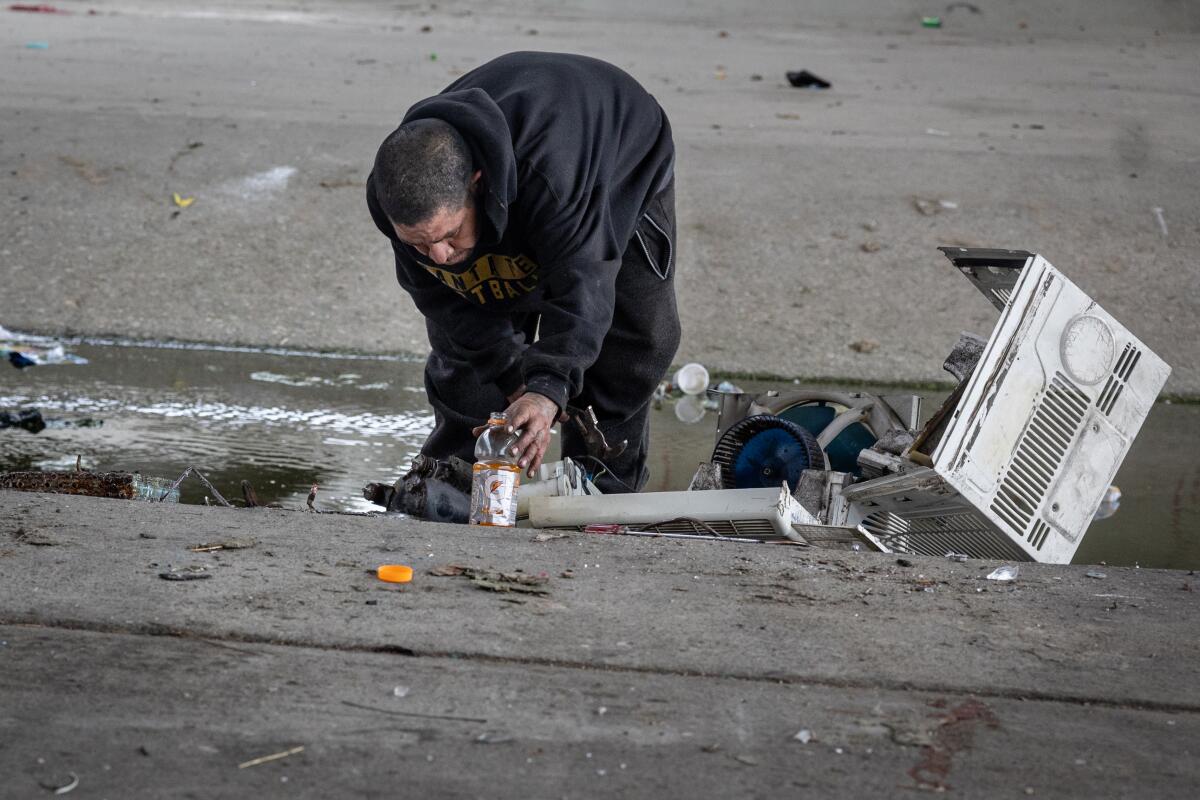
{"points": [[481, 123]]}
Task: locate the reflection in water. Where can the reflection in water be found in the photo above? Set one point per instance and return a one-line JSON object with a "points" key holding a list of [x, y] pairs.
{"points": [[286, 421]]}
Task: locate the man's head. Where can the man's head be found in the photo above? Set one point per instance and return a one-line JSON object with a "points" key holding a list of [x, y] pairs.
{"points": [[426, 183]]}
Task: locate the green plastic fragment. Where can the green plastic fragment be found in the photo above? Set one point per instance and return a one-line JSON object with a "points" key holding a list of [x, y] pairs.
{"points": [[931, 22]]}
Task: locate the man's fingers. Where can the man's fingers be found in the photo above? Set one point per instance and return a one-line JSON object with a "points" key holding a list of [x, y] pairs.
{"points": [[537, 457], [524, 446]]}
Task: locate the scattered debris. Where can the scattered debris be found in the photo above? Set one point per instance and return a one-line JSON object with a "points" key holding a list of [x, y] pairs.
{"points": [[870, 246], [190, 470], [190, 148], [40, 8], [748, 760], [929, 207], [1097, 574], [228, 544], [936, 132], [491, 737], [182, 202], [63, 788], [254, 762], [195, 572], [37, 45], [803, 79], [339, 183], [864, 346], [401, 691], [433, 490], [974, 9], [394, 573], [953, 556], [903, 562], [931, 22], [31, 351], [28, 418], [116, 485], [418, 714], [494, 580], [548, 536], [1162, 222], [251, 497], [803, 736], [1006, 573]]}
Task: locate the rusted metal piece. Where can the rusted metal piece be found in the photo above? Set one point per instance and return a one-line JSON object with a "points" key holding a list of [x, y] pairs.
{"points": [[119, 485]]}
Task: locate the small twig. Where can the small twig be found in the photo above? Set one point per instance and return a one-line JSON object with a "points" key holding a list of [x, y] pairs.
{"points": [[413, 713], [250, 495], [203, 480], [254, 762], [215, 643]]}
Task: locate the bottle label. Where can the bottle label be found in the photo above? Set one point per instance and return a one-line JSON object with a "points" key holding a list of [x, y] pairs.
{"points": [[494, 494]]}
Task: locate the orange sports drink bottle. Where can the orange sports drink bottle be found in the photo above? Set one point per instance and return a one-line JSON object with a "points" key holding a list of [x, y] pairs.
{"points": [[496, 476]]}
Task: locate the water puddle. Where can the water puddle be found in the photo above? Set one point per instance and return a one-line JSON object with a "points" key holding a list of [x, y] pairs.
{"points": [[286, 420]]}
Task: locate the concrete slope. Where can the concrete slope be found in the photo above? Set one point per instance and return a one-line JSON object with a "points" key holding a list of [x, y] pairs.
{"points": [[755, 612], [1054, 129]]}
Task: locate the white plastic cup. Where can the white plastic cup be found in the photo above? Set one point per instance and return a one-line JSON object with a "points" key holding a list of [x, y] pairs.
{"points": [[691, 378]]}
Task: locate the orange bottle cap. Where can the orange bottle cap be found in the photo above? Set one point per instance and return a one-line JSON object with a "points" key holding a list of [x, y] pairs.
{"points": [[394, 573]]}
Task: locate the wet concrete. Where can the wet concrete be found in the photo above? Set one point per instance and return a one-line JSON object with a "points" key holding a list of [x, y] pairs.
{"points": [[284, 422]]}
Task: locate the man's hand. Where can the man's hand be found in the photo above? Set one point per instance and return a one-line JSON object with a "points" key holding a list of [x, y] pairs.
{"points": [[534, 415]]}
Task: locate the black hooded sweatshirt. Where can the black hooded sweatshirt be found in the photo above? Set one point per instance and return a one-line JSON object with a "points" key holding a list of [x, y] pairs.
{"points": [[572, 151]]}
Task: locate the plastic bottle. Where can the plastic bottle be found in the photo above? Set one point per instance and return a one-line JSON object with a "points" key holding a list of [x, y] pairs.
{"points": [[495, 476]]}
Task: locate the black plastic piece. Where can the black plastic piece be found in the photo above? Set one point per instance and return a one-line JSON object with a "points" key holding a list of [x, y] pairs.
{"points": [[987, 257]]}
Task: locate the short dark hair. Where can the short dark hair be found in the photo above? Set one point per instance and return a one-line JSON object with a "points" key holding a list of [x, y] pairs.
{"points": [[421, 167]]}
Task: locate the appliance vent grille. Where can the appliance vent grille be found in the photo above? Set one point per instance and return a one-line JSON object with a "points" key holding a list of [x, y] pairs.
{"points": [[964, 532], [748, 528], [1003, 295], [1037, 536], [1040, 453], [1120, 376]]}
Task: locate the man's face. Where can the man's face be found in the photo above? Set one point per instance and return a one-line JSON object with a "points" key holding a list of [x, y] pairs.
{"points": [[448, 236]]}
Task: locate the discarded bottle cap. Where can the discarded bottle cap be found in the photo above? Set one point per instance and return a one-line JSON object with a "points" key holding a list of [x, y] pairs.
{"points": [[394, 573]]}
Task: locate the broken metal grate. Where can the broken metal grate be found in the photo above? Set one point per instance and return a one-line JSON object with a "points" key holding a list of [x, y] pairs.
{"points": [[1003, 295], [743, 528], [1117, 380], [964, 532], [1040, 453]]}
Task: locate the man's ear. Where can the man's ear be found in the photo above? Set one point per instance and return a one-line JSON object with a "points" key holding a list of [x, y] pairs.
{"points": [[474, 185]]}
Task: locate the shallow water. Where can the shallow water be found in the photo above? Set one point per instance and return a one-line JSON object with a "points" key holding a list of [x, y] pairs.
{"points": [[285, 421]]}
